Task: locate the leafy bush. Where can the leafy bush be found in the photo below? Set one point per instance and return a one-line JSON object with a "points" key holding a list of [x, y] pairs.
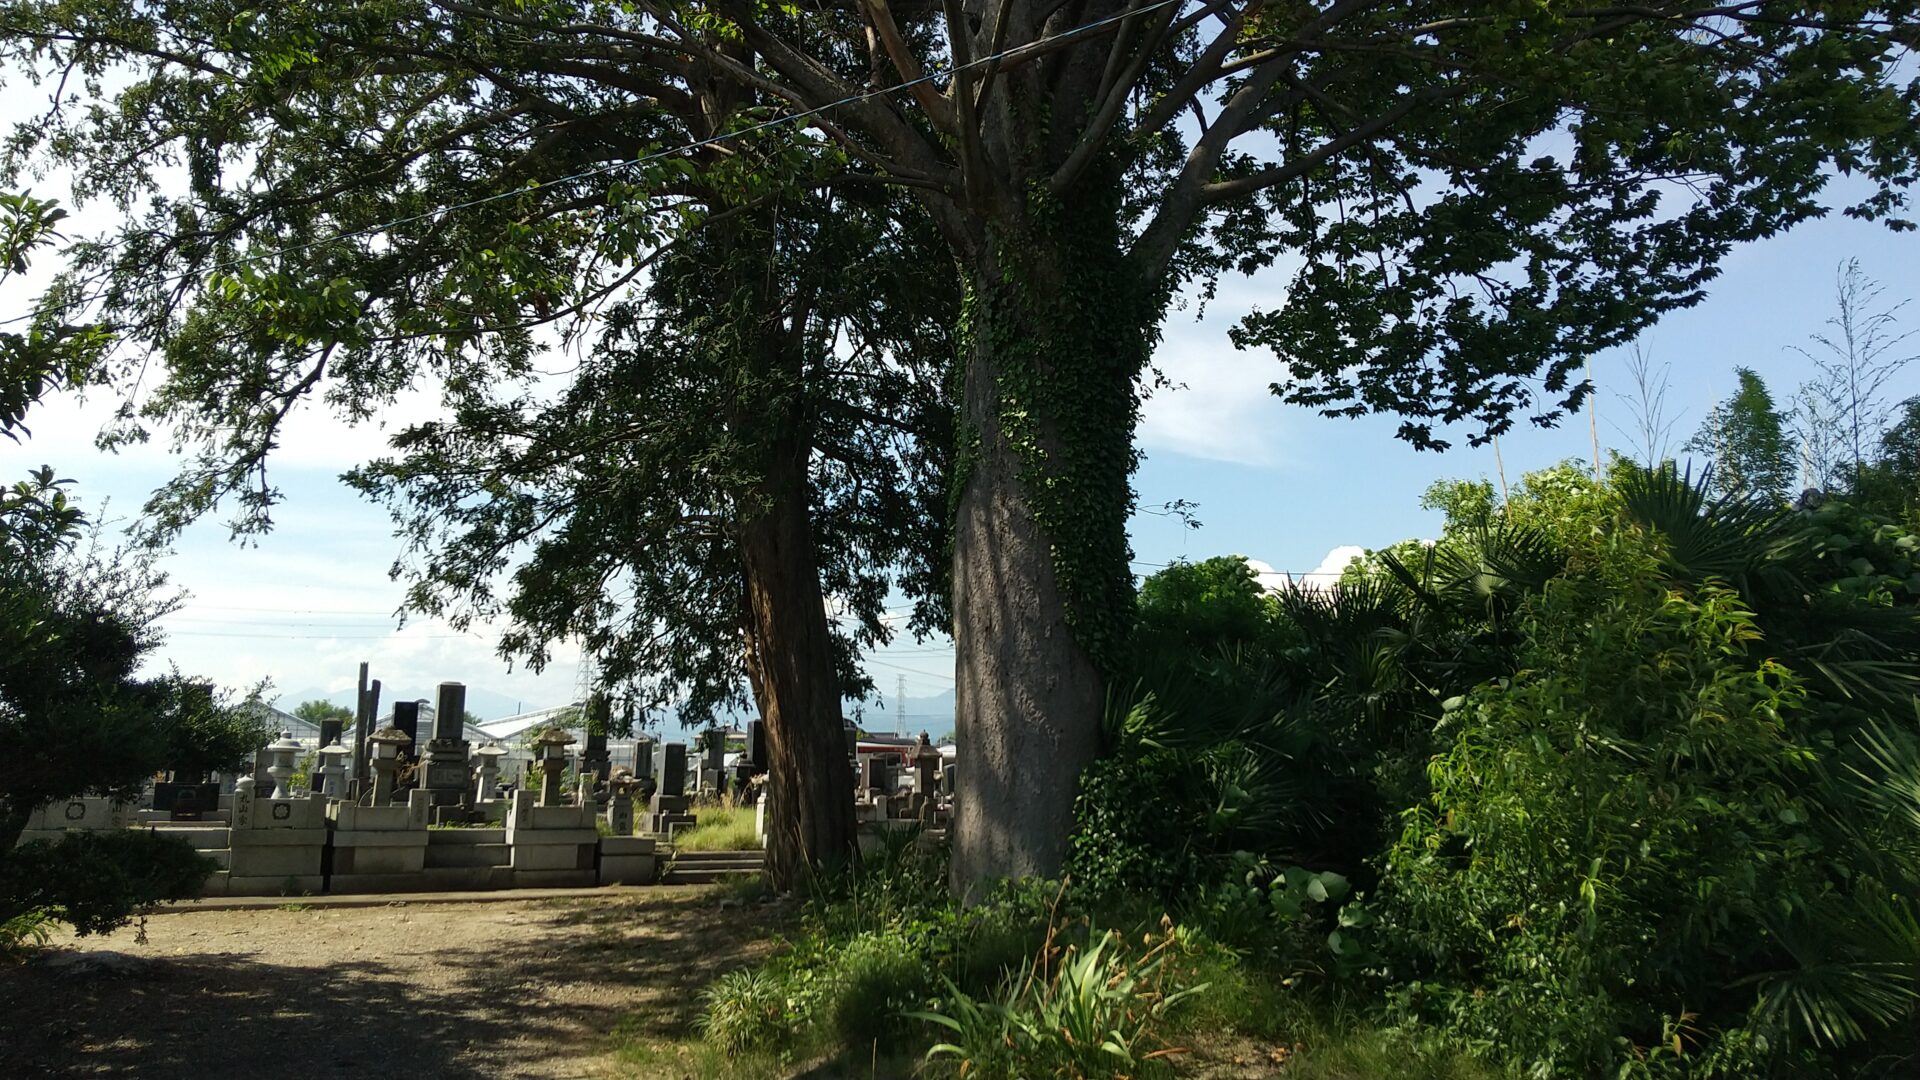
{"points": [[21, 934], [1080, 1011], [743, 1011], [1633, 847], [877, 981], [98, 881]]}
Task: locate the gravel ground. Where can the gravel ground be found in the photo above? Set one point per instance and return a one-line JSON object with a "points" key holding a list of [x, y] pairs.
{"points": [[509, 989]]}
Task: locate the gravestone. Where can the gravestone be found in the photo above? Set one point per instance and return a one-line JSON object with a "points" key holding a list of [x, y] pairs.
{"points": [[406, 717], [714, 743], [596, 766], [445, 771], [757, 744], [669, 803], [926, 767], [670, 768], [643, 758], [595, 759]]}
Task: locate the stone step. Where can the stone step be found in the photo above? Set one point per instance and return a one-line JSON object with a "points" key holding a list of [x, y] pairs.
{"points": [[704, 877], [164, 817], [202, 837], [706, 867], [753, 859]]}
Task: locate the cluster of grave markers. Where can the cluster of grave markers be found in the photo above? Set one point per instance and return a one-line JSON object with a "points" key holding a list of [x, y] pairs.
{"points": [[363, 823]]}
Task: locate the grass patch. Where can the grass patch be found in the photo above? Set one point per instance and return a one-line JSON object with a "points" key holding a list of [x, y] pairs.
{"points": [[1372, 1053], [721, 828], [642, 1054]]}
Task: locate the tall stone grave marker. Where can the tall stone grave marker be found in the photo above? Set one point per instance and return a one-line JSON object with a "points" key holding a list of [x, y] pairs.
{"points": [[444, 771], [669, 804]]}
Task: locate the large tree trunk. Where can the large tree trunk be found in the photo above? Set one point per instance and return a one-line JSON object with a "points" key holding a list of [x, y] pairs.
{"points": [[1042, 593], [790, 650]]}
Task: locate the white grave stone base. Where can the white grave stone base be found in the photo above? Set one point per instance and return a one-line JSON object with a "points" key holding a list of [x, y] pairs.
{"points": [[276, 845], [551, 846], [380, 848], [628, 860], [88, 813]]}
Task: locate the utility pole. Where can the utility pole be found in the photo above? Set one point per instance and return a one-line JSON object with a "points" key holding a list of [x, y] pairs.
{"points": [[900, 705]]}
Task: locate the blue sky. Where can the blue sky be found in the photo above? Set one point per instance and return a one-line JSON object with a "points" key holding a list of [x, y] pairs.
{"points": [[1273, 482]]}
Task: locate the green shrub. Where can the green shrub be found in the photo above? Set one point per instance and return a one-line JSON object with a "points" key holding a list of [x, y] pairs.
{"points": [[25, 932], [98, 881], [743, 1011], [1093, 1010], [1634, 859], [877, 981]]}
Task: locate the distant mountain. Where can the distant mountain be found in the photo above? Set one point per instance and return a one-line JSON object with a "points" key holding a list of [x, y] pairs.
{"points": [[481, 702], [933, 715]]}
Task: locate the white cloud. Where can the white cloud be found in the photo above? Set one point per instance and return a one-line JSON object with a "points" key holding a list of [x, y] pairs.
{"points": [[1222, 407], [1320, 577], [1336, 561]]}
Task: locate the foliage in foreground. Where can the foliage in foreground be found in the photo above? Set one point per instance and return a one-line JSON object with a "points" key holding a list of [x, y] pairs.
{"points": [[1094, 1009], [98, 881], [1612, 779]]}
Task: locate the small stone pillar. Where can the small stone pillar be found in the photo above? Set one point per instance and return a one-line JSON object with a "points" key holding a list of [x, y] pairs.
{"points": [[333, 770], [550, 749], [280, 764], [926, 767], [487, 776], [385, 745], [620, 802]]}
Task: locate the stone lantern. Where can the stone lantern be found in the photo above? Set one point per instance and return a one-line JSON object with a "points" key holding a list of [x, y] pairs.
{"points": [[926, 766], [280, 767], [550, 749], [620, 801], [386, 744], [487, 777], [333, 770]]}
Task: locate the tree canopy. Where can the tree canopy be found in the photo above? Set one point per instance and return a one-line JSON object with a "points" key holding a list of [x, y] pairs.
{"points": [[1746, 438], [1478, 196]]}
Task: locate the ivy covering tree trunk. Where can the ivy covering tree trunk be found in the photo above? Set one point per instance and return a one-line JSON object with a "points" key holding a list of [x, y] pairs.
{"points": [[1056, 335]]}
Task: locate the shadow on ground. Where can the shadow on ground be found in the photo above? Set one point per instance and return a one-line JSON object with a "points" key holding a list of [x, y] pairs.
{"points": [[472, 992]]}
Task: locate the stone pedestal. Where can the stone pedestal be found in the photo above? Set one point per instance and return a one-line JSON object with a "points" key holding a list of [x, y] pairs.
{"points": [[667, 813], [551, 846], [187, 801], [278, 845], [89, 813], [628, 860], [444, 771], [380, 848]]}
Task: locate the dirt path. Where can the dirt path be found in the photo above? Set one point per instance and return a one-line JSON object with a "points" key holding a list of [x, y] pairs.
{"points": [[512, 989]]}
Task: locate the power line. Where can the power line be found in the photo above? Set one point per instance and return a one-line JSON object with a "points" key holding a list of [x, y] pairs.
{"points": [[644, 159], [285, 611], [911, 671], [315, 637]]}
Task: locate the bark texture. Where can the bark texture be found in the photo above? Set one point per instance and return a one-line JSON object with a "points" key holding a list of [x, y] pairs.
{"points": [[791, 657], [1042, 597]]}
